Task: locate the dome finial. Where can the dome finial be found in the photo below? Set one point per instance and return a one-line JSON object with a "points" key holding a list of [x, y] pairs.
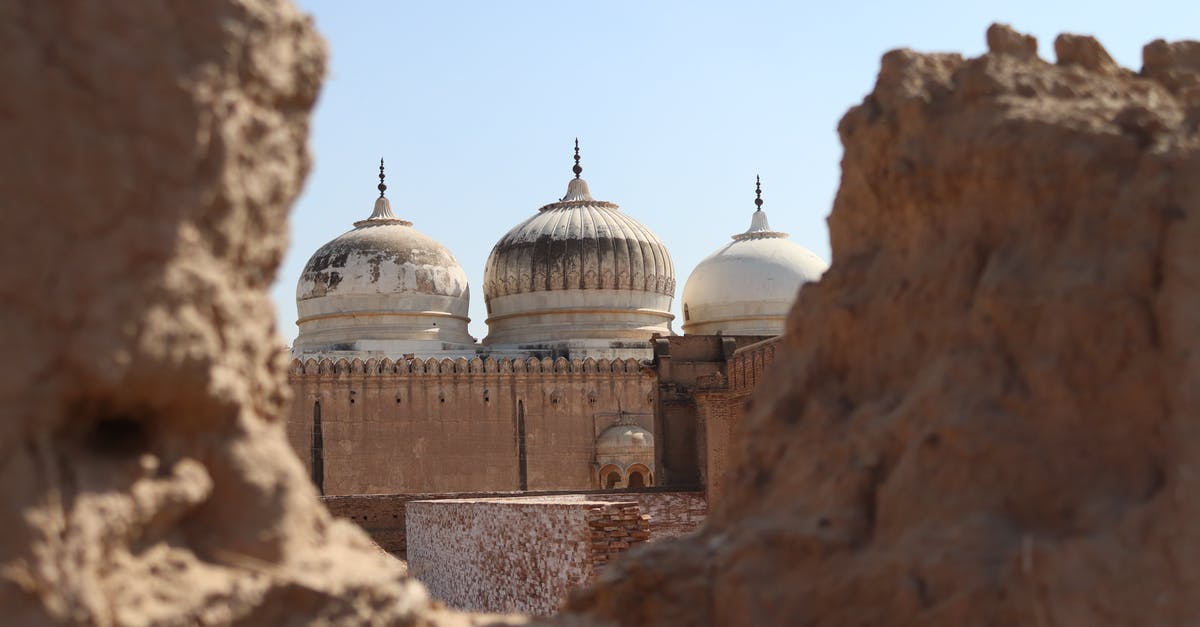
{"points": [[577, 169], [382, 186], [758, 192]]}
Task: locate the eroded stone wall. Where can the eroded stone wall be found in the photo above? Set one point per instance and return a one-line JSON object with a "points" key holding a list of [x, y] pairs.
{"points": [[442, 426], [985, 411], [152, 151]]}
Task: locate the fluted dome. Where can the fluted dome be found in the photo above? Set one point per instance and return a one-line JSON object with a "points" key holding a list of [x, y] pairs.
{"points": [[382, 287], [747, 286], [579, 269]]}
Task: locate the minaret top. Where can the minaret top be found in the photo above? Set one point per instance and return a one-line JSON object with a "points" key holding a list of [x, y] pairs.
{"points": [[382, 186], [578, 169], [382, 213], [577, 188], [759, 228]]}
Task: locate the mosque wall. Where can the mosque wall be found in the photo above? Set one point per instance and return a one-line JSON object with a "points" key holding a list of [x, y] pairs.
{"points": [[460, 425]]}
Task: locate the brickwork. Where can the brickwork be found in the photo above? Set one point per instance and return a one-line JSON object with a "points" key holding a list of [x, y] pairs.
{"points": [[460, 425], [522, 554], [383, 516], [613, 528], [721, 400]]}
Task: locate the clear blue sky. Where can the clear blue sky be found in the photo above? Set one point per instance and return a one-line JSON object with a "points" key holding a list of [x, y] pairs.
{"points": [[677, 105]]}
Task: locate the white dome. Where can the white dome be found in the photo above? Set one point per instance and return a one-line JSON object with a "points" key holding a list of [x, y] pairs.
{"points": [[579, 270], [624, 445], [747, 286], [383, 287]]}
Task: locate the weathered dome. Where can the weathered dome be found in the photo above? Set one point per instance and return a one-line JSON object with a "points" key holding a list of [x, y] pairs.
{"points": [[747, 286], [578, 269], [625, 444], [382, 287]]}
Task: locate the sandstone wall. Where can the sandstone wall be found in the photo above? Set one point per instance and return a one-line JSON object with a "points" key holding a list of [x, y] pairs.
{"points": [[985, 411], [672, 514], [151, 153], [516, 554], [457, 426]]}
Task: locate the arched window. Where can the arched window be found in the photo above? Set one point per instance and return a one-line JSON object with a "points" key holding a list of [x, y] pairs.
{"points": [[610, 477], [639, 476]]}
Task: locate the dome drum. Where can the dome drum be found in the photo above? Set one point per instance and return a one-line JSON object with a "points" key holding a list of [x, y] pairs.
{"points": [[592, 314]]}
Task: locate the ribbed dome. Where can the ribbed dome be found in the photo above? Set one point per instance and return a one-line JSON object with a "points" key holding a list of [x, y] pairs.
{"points": [[747, 286], [382, 287], [579, 244], [579, 269]]}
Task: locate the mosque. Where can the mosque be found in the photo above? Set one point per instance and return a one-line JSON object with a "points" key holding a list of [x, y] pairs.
{"points": [[580, 383]]}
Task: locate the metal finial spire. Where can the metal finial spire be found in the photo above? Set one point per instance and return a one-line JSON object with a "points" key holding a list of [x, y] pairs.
{"points": [[382, 187], [577, 169], [758, 192]]}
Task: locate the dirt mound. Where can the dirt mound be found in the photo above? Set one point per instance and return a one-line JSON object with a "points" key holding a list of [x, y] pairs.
{"points": [[985, 410]]}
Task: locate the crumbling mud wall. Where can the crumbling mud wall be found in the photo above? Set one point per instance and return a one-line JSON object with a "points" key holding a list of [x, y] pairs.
{"points": [[985, 411], [151, 152]]}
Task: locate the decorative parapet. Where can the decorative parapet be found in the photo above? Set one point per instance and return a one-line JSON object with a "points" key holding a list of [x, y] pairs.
{"points": [[747, 365], [418, 367]]}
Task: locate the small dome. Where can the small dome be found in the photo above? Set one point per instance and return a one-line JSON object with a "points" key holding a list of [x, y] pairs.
{"points": [[578, 269], [747, 286], [625, 444], [382, 287]]}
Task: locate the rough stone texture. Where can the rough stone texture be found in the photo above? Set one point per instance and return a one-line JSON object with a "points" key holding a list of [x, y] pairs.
{"points": [[383, 516], [994, 421], [520, 554], [151, 153]]}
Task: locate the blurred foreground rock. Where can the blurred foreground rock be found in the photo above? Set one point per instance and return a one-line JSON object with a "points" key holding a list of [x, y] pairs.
{"points": [[986, 411], [151, 152]]}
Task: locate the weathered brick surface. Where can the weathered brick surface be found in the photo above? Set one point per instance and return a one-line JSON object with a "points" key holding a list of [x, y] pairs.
{"points": [[672, 514], [516, 554]]}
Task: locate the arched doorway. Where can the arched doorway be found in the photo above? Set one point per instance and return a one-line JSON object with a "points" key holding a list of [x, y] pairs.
{"points": [[640, 477], [610, 477]]}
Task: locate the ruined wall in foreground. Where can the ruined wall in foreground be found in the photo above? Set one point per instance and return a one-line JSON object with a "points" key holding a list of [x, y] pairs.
{"points": [[996, 422], [518, 554], [383, 516], [153, 152]]}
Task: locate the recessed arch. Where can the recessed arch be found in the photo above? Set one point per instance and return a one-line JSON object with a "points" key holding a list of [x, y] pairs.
{"points": [[611, 477]]}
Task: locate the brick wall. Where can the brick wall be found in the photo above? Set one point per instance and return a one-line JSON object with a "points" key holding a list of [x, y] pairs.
{"points": [[516, 554], [383, 515], [460, 425]]}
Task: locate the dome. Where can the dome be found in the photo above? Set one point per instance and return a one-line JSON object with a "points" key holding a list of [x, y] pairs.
{"points": [[579, 269], [747, 286], [624, 445], [382, 287]]}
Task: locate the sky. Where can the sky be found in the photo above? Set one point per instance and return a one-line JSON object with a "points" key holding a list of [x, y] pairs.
{"points": [[475, 107]]}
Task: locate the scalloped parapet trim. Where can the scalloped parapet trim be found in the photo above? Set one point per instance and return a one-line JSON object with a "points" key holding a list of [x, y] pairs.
{"points": [[418, 366]]}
